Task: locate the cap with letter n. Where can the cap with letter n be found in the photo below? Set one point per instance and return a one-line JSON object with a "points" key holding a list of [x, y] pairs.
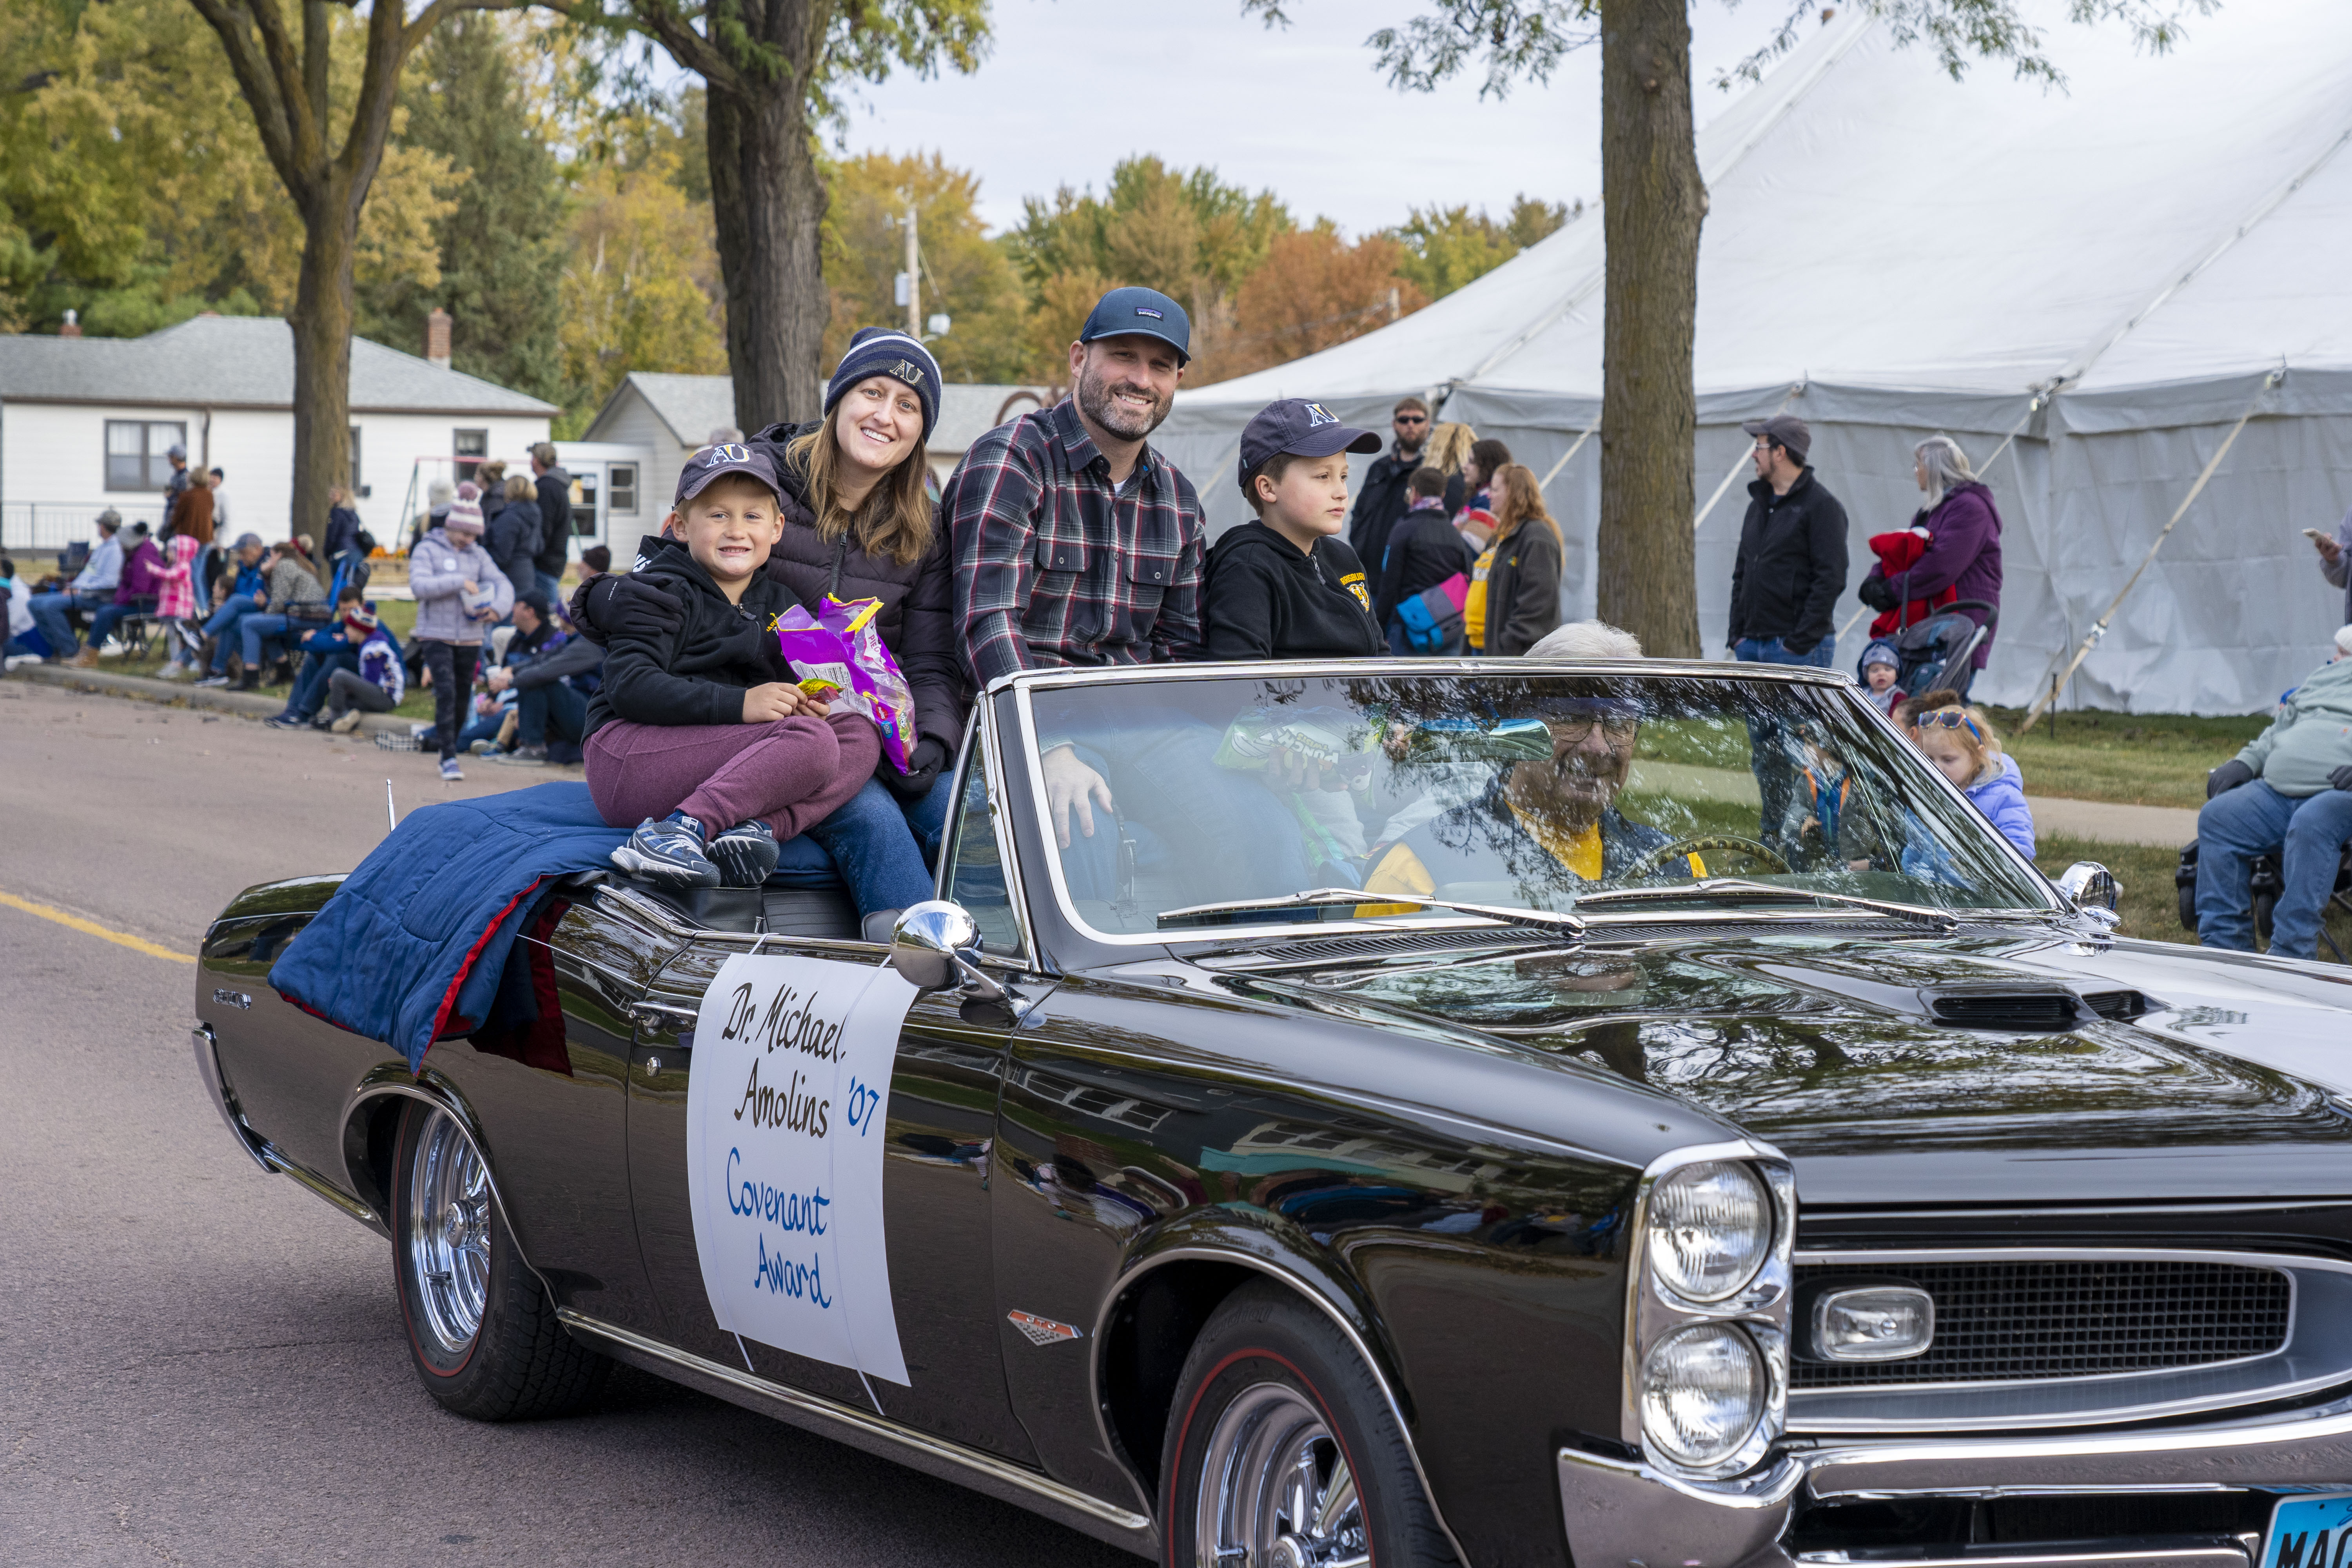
{"points": [[1303, 429], [1146, 311], [713, 463]]}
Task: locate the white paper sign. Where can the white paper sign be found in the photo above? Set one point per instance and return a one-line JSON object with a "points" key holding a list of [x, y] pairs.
{"points": [[785, 1118]]}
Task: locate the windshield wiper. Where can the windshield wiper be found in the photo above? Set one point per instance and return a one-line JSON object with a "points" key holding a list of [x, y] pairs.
{"points": [[1546, 921], [1712, 887]]}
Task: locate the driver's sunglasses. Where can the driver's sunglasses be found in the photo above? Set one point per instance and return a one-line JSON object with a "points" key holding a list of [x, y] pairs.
{"points": [[1949, 718], [1613, 726]]}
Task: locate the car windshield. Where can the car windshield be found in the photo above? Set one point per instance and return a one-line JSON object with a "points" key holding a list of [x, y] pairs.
{"points": [[1510, 792]]}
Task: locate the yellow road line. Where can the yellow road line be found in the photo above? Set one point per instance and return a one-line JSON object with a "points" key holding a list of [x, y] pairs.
{"points": [[91, 928]]}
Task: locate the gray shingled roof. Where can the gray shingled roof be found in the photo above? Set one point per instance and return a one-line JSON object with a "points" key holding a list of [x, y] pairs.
{"points": [[695, 405], [234, 361]]}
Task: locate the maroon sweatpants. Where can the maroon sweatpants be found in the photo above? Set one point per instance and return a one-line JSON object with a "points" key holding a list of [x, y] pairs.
{"points": [[794, 772]]}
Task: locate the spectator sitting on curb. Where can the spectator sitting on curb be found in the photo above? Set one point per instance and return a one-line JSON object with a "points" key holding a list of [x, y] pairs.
{"points": [[2288, 793], [21, 630], [134, 594], [237, 599], [540, 667], [376, 686], [290, 583], [324, 651]]}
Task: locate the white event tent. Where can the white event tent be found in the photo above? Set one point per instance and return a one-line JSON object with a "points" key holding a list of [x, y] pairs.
{"points": [[1890, 255]]}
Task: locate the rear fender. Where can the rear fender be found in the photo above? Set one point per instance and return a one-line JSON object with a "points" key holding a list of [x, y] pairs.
{"points": [[371, 1125]]}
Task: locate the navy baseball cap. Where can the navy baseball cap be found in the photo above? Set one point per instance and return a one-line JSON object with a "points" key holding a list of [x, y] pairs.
{"points": [[1302, 428], [713, 463], [1144, 310]]}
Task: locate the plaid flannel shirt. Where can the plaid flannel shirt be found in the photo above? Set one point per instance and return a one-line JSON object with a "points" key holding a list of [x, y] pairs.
{"points": [[1054, 567]]}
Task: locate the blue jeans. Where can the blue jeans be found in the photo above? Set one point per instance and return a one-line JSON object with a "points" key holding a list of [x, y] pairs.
{"points": [[49, 614], [2306, 831], [882, 845], [549, 588], [559, 703], [1769, 746], [310, 686], [257, 630], [224, 620], [102, 624]]}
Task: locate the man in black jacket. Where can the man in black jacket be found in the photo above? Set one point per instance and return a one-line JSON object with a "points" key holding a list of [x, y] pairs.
{"points": [[1383, 500], [1785, 581], [554, 521]]}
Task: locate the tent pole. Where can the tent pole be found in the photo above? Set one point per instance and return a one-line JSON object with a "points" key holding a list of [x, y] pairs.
{"points": [[1571, 452], [2099, 628], [1740, 462]]}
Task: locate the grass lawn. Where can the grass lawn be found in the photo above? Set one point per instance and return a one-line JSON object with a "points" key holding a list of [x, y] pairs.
{"points": [[2139, 758], [2150, 906]]}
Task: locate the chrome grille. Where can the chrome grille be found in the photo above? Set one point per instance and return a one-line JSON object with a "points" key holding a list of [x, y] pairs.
{"points": [[2009, 1321]]}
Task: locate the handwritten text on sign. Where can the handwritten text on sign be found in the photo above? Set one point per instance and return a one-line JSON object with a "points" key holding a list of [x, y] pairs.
{"points": [[783, 1133]]}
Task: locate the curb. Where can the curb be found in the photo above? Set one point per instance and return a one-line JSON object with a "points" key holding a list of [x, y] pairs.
{"points": [[178, 694]]}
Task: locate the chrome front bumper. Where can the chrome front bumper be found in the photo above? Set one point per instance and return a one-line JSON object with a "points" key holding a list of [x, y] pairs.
{"points": [[1624, 1514]]}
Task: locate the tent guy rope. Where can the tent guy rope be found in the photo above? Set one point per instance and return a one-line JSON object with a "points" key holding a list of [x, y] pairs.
{"points": [[2099, 627]]}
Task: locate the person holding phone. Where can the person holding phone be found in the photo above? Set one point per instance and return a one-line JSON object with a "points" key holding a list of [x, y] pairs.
{"points": [[2335, 560]]}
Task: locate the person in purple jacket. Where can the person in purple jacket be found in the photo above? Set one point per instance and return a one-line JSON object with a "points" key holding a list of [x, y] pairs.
{"points": [[1964, 539], [134, 594]]}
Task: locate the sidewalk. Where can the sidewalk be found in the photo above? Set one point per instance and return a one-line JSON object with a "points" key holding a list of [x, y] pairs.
{"points": [[2168, 825], [180, 694]]}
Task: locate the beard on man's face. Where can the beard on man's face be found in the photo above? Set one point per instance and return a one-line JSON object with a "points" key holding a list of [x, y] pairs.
{"points": [[1125, 420]]}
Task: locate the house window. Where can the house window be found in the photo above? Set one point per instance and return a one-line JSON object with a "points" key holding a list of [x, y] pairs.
{"points": [[356, 489], [134, 453], [470, 446], [622, 478]]}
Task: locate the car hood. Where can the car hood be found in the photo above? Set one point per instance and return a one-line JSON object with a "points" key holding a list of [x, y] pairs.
{"points": [[2224, 1085]]}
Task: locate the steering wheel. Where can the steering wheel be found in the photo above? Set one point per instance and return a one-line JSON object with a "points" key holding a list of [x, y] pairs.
{"points": [[1665, 852]]}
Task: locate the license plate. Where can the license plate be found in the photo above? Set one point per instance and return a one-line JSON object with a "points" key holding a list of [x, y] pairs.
{"points": [[2307, 1533]]}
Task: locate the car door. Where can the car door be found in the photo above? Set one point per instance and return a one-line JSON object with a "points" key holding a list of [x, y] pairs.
{"points": [[941, 1129]]}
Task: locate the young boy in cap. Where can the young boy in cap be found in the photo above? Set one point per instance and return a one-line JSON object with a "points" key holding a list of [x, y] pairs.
{"points": [[1285, 586], [1880, 665], [699, 733]]}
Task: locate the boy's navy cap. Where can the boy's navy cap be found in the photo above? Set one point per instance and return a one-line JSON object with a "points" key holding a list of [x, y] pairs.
{"points": [[1302, 428], [712, 463], [1144, 310]]}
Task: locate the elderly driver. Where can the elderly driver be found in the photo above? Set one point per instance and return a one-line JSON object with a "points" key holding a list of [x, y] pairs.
{"points": [[1536, 823]]}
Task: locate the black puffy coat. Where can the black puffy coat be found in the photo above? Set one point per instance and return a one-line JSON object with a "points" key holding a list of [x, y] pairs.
{"points": [[511, 534]]}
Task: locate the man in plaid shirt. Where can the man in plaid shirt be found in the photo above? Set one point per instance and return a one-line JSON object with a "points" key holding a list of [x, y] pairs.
{"points": [[1074, 542]]}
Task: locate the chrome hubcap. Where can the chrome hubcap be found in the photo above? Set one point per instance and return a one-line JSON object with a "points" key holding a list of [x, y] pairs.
{"points": [[1274, 1491], [449, 1233]]}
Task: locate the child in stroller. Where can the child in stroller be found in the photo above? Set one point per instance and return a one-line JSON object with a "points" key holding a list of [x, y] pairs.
{"points": [[1938, 653]]}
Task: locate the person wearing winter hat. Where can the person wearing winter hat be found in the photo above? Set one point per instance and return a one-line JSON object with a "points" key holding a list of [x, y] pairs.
{"points": [[858, 523], [459, 589], [1880, 665]]}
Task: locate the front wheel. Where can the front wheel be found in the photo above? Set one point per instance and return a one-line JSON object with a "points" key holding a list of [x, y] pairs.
{"points": [[482, 1332], [1282, 1449]]}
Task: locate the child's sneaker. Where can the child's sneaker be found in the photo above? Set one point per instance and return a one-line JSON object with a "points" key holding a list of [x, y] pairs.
{"points": [[668, 851], [745, 854], [450, 771]]}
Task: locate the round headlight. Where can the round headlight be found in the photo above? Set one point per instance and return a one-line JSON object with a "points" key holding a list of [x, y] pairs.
{"points": [[1710, 1230], [1702, 1391]]}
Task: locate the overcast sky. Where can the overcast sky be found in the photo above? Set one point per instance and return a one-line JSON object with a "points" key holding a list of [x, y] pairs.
{"points": [[1073, 86]]}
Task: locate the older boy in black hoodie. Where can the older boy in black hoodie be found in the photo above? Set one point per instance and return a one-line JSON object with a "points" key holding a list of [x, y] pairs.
{"points": [[1285, 586]]}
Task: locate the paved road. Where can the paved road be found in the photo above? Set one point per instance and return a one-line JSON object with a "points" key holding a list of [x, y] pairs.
{"points": [[203, 1364]]}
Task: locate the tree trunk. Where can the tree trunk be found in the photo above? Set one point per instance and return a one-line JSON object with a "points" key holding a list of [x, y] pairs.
{"points": [[322, 322], [768, 202], [1654, 203]]}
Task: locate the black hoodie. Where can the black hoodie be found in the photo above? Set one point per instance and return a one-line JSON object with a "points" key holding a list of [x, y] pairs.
{"points": [[1264, 597], [698, 674]]}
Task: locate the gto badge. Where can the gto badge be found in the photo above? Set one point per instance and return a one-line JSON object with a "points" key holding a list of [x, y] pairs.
{"points": [[1042, 1331], [233, 999]]}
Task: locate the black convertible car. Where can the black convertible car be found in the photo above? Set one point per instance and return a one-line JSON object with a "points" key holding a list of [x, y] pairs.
{"points": [[1402, 1113]]}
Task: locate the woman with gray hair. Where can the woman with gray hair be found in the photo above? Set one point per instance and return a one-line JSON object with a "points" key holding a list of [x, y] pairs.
{"points": [[1963, 529]]}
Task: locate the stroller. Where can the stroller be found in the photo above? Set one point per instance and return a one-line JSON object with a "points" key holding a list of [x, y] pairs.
{"points": [[2264, 885], [1939, 652]]}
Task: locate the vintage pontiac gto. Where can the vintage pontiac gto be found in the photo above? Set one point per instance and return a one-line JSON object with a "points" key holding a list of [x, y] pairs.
{"points": [[1408, 1111]]}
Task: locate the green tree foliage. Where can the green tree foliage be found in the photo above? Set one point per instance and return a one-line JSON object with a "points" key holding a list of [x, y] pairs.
{"points": [[499, 256], [1445, 247], [639, 286], [966, 276], [1175, 230]]}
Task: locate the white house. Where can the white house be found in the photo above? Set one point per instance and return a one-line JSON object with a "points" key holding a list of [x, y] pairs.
{"points": [[85, 422], [667, 417]]}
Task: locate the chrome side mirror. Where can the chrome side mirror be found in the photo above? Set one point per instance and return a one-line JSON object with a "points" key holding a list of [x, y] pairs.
{"points": [[936, 945], [2090, 886]]}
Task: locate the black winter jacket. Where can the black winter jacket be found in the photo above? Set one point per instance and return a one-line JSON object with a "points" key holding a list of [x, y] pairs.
{"points": [[1423, 550], [1522, 591], [511, 535], [698, 674], [1262, 597], [554, 524], [1792, 565], [1386, 498]]}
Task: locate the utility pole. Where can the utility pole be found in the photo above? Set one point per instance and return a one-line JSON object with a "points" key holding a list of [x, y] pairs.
{"points": [[914, 280]]}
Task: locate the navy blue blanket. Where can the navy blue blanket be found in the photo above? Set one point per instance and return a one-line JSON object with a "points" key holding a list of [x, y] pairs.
{"points": [[410, 949]]}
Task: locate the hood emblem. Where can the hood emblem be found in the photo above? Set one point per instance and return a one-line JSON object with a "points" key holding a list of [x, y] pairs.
{"points": [[1042, 1331], [233, 999]]}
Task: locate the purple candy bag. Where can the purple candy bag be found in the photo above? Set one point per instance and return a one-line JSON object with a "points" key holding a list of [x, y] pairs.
{"points": [[839, 657]]}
